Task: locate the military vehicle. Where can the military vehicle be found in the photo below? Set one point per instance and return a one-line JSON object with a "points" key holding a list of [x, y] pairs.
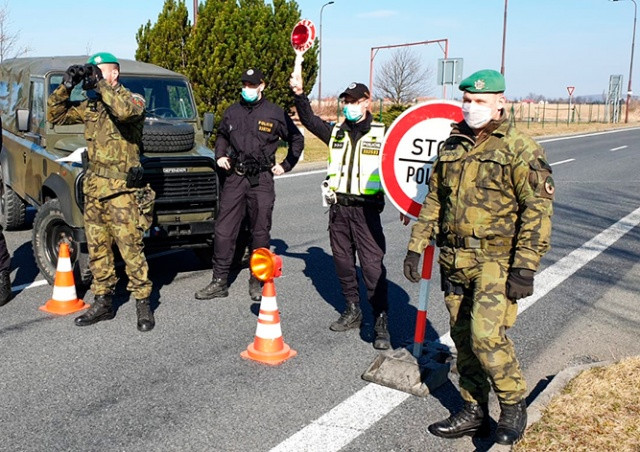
{"points": [[41, 167]]}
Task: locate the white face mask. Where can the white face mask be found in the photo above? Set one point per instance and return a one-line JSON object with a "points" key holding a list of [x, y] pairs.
{"points": [[476, 116], [352, 112]]}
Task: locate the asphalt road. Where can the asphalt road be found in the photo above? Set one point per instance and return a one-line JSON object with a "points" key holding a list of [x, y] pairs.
{"points": [[183, 386]]}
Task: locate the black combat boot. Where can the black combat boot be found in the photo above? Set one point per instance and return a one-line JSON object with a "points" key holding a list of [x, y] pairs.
{"points": [[350, 318], [472, 420], [217, 288], [100, 310], [255, 289], [146, 322], [512, 423], [5, 287], [382, 340]]}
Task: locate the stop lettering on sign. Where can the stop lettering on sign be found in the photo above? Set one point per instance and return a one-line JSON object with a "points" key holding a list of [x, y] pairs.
{"points": [[410, 149]]}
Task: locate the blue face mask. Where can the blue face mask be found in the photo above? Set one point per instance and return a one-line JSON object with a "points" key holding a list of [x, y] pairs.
{"points": [[250, 94], [352, 112]]}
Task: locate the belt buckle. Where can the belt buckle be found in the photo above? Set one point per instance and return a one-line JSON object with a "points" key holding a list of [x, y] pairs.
{"points": [[472, 243]]}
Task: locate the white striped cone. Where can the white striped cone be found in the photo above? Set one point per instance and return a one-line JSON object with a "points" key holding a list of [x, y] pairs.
{"points": [[64, 299]]}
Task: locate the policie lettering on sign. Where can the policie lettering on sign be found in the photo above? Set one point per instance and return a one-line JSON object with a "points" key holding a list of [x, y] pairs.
{"points": [[409, 150], [427, 149]]}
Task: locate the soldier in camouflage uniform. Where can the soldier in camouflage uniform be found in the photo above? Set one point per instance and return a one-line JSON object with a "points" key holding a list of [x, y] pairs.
{"points": [[113, 119], [489, 208]]}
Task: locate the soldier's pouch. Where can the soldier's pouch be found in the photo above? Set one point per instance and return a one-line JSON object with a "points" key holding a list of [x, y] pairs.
{"points": [[146, 199], [540, 178]]}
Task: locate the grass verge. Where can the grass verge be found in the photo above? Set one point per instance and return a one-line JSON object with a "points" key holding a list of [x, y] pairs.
{"points": [[598, 410]]}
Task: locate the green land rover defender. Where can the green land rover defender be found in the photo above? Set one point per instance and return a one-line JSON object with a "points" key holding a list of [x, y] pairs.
{"points": [[41, 165]]}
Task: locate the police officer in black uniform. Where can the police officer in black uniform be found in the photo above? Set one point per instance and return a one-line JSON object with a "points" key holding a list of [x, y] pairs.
{"points": [[356, 199], [5, 261], [245, 146]]}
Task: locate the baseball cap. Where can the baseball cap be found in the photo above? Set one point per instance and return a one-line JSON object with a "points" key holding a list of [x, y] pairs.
{"points": [[356, 90], [253, 76]]}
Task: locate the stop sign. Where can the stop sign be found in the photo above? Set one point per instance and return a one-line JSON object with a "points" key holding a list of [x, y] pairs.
{"points": [[409, 150]]}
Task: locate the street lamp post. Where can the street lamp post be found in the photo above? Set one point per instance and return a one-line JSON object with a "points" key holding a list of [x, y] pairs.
{"points": [[633, 43], [320, 57], [504, 35]]}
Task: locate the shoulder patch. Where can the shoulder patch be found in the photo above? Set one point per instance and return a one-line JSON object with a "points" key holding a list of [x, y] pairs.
{"points": [[549, 186], [138, 99]]}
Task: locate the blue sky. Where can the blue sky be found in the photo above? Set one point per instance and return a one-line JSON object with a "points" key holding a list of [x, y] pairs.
{"points": [[551, 44]]}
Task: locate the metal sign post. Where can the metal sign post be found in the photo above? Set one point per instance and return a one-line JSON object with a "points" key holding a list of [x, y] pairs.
{"points": [[570, 112]]}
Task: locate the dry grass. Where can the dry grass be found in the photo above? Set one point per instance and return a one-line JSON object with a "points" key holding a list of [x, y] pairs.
{"points": [[599, 410]]}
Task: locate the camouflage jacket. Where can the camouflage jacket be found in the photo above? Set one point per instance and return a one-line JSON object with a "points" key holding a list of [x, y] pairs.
{"points": [[498, 188], [113, 131]]}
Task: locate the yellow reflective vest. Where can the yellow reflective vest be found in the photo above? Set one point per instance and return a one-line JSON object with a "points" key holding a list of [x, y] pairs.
{"points": [[355, 171]]}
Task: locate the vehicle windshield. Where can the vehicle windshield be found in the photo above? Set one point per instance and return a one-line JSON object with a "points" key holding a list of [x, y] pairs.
{"points": [[167, 98]]}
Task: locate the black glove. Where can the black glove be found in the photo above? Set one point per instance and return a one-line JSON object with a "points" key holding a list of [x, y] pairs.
{"points": [[519, 283], [411, 262], [92, 75], [68, 79]]}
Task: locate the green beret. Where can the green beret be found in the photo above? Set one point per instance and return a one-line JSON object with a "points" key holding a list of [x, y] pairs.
{"points": [[484, 81], [102, 58]]}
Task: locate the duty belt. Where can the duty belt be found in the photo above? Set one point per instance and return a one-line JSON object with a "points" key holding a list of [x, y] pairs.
{"points": [[103, 172], [470, 242], [354, 200]]}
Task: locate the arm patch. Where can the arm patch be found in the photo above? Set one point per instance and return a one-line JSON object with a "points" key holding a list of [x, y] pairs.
{"points": [[138, 100]]}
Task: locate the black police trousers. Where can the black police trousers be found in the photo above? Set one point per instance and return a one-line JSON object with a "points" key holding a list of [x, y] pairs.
{"points": [[237, 199], [358, 229], [5, 258]]}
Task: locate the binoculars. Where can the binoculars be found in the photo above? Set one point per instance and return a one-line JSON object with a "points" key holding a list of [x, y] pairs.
{"points": [[77, 72], [88, 74]]}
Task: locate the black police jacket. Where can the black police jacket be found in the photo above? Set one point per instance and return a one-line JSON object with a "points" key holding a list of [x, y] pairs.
{"points": [[253, 130]]}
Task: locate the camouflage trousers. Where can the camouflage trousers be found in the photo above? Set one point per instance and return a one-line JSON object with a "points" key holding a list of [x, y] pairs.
{"points": [[115, 220], [479, 318]]}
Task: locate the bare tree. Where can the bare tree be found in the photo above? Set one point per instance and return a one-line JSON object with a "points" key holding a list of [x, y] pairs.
{"points": [[403, 79], [9, 45]]}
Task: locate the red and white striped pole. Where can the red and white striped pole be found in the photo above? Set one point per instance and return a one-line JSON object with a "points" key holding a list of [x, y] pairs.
{"points": [[423, 299]]}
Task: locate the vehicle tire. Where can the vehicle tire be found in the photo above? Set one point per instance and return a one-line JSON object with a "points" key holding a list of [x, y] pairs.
{"points": [[49, 230], [12, 209], [158, 136]]}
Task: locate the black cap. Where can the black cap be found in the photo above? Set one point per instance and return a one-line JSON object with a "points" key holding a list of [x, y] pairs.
{"points": [[253, 76], [357, 91]]}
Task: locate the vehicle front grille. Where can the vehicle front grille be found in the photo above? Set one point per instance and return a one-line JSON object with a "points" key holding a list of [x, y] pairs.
{"points": [[182, 186]]}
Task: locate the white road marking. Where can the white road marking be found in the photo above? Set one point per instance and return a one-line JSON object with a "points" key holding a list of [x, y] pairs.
{"points": [[562, 161], [305, 173], [43, 282], [618, 148], [352, 417], [31, 285]]}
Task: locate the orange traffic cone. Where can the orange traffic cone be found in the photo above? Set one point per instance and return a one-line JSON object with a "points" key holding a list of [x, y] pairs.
{"points": [[268, 346], [64, 299]]}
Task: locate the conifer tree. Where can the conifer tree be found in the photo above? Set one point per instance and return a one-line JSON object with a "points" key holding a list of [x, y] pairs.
{"points": [[164, 43], [230, 37]]}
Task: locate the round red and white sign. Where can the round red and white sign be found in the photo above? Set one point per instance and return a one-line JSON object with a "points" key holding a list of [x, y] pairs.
{"points": [[303, 35], [409, 149]]}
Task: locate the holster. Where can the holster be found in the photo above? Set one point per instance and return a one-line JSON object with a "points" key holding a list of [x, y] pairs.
{"points": [[134, 177], [145, 198], [450, 287]]}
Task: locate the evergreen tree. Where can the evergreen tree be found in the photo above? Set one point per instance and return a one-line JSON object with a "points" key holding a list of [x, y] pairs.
{"points": [[230, 37], [164, 43]]}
